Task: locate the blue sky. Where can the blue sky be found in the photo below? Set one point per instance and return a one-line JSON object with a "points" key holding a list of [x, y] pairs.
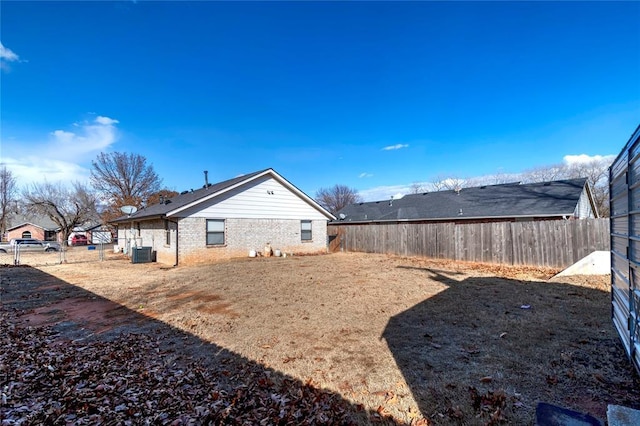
{"points": [[372, 95]]}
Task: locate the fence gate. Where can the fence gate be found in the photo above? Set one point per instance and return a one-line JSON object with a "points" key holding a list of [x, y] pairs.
{"points": [[624, 190]]}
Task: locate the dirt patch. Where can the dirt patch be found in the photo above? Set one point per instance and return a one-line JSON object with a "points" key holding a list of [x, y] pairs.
{"points": [[405, 337], [97, 315]]}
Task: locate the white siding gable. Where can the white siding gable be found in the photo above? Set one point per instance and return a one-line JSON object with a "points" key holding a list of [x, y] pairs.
{"points": [[583, 208], [263, 198]]}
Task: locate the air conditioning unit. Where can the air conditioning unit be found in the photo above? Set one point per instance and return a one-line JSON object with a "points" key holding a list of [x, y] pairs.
{"points": [[141, 254]]}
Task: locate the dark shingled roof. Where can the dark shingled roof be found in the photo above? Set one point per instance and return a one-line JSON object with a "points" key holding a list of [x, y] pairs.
{"points": [[554, 198], [185, 198], [40, 221]]}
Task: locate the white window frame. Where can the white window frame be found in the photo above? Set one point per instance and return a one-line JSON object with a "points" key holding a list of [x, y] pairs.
{"points": [[304, 232], [215, 232]]}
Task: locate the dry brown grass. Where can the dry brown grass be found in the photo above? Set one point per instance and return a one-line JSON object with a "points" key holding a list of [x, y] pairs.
{"points": [[411, 337]]}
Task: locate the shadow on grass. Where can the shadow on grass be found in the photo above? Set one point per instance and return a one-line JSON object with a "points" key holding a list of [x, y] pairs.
{"points": [[96, 361], [487, 349]]}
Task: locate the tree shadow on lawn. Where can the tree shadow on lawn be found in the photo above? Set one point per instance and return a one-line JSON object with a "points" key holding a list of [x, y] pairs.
{"points": [[71, 356], [487, 349]]}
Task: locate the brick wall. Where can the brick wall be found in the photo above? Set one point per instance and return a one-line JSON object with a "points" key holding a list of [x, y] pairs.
{"points": [[243, 235], [36, 232], [150, 234]]}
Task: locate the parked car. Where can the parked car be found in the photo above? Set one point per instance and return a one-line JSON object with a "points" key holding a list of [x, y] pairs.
{"points": [[79, 240], [29, 244]]}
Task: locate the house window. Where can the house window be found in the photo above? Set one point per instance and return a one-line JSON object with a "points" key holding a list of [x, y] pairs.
{"points": [[215, 232], [305, 230], [167, 233], [26, 234]]}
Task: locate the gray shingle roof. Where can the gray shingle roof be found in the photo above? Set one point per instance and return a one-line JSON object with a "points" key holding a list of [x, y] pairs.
{"points": [[185, 198], [554, 198], [41, 221]]}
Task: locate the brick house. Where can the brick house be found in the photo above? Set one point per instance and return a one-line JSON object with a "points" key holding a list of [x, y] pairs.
{"points": [[228, 219], [40, 228]]}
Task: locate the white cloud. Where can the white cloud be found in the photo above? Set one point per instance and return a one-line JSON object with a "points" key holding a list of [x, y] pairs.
{"points": [[92, 137], [33, 169], [7, 55], [396, 146], [365, 175], [64, 156], [106, 120], [384, 192], [584, 158], [63, 137]]}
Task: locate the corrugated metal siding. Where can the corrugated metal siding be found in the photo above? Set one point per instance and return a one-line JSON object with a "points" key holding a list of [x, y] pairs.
{"points": [[624, 187], [265, 198]]}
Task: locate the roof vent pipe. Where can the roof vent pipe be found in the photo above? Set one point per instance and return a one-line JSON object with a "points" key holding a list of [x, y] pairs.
{"points": [[206, 179]]}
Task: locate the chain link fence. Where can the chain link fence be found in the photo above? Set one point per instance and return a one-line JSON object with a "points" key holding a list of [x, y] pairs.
{"points": [[67, 254]]}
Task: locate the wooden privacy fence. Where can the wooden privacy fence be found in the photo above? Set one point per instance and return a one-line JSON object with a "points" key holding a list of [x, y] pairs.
{"points": [[553, 243]]}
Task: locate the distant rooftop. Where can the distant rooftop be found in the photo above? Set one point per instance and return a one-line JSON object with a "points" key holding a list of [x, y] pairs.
{"points": [[545, 199], [41, 221]]}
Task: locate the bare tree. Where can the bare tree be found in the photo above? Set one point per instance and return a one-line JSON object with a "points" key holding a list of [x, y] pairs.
{"points": [[500, 178], [418, 188], [494, 179], [123, 179], [596, 172], [443, 183], [156, 197], [337, 197], [66, 207], [545, 173], [7, 197], [111, 211]]}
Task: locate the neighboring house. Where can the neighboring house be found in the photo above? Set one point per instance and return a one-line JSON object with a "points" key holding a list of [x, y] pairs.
{"points": [[94, 233], [98, 234], [561, 199], [40, 228], [228, 219]]}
